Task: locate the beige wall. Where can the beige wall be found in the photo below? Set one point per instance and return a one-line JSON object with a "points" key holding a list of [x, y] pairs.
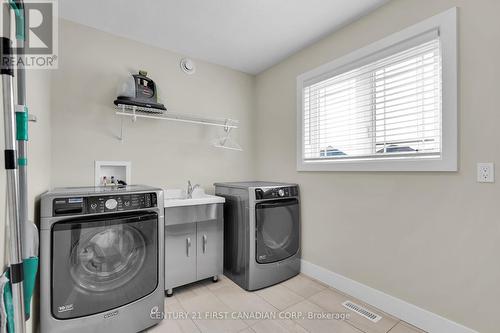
{"points": [[431, 239], [39, 149], [84, 127]]}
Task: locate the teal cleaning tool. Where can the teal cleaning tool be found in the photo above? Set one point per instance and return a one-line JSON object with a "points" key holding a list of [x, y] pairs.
{"points": [[16, 266], [29, 232], [15, 124]]}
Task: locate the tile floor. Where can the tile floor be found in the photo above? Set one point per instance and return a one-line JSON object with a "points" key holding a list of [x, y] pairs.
{"points": [[224, 307]]}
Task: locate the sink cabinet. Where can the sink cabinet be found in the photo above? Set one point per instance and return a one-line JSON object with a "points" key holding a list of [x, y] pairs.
{"points": [[180, 258], [193, 245], [209, 249]]}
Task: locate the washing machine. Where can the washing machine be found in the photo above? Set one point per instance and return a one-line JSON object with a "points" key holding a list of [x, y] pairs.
{"points": [[261, 232], [102, 264]]}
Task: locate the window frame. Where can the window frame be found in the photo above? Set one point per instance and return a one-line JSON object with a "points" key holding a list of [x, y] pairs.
{"points": [[446, 24]]}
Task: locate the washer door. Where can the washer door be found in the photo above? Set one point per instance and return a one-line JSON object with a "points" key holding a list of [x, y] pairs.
{"points": [[102, 263], [277, 235]]}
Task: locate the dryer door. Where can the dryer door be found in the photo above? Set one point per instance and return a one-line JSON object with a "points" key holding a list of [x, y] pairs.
{"points": [[278, 230], [104, 262]]}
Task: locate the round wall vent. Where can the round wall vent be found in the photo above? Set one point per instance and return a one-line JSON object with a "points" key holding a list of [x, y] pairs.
{"points": [[188, 66]]}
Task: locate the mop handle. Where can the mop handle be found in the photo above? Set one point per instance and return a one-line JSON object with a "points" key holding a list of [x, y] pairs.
{"points": [[22, 116], [16, 263]]}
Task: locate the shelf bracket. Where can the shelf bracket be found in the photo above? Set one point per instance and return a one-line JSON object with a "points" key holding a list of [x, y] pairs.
{"points": [[121, 130], [134, 119], [227, 129], [134, 109], [121, 125]]}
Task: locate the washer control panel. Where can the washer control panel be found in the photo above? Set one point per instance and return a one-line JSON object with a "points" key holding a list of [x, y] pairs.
{"points": [[103, 203], [276, 193]]}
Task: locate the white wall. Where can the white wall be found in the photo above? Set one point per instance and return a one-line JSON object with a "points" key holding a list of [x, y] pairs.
{"points": [[84, 127], [431, 239]]}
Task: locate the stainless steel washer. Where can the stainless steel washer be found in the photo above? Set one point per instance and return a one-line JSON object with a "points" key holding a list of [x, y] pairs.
{"points": [[261, 232], [102, 264]]}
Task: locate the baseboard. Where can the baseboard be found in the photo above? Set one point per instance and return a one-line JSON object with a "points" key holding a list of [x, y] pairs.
{"points": [[410, 313]]}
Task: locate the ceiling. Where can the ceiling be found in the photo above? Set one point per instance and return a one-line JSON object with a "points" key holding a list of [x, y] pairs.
{"points": [[246, 35]]}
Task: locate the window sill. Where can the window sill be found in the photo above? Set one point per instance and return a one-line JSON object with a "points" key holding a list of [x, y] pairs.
{"points": [[393, 165]]}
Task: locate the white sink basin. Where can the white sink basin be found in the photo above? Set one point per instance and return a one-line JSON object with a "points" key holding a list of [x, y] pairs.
{"points": [[178, 198]]}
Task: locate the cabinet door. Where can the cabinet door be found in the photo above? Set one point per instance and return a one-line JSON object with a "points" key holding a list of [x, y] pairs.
{"points": [[180, 254], [210, 248]]}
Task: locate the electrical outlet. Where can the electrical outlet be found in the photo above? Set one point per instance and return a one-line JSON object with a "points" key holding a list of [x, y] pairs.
{"points": [[485, 172]]}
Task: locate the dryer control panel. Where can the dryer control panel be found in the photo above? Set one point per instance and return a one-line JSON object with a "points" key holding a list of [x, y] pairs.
{"points": [[276, 193], [103, 204]]}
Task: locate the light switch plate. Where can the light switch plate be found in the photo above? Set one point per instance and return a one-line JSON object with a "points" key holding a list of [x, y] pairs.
{"points": [[485, 173]]}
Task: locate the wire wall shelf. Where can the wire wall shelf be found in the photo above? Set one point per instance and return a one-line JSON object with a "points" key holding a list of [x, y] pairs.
{"points": [[151, 113]]}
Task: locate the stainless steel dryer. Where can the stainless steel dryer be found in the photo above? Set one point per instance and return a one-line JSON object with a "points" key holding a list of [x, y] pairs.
{"points": [[261, 232], [102, 266]]}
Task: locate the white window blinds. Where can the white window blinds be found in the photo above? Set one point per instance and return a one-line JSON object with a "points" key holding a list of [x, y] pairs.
{"points": [[387, 106]]}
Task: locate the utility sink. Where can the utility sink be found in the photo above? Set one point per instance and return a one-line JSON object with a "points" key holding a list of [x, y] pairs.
{"points": [[178, 198], [180, 209]]}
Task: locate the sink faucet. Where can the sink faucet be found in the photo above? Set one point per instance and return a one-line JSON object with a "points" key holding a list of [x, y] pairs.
{"points": [[191, 189]]}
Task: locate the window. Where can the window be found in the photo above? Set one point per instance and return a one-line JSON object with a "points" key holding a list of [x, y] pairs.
{"points": [[390, 106]]}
